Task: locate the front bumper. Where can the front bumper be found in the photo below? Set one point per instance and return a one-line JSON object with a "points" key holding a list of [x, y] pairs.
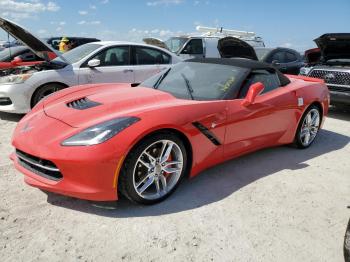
{"points": [[19, 94], [340, 97], [87, 172]]}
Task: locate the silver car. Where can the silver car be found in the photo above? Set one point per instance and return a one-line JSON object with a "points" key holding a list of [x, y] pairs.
{"points": [[97, 62]]}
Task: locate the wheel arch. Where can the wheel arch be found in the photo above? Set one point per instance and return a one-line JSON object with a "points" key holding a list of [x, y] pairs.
{"points": [[48, 83], [314, 103], [177, 132]]}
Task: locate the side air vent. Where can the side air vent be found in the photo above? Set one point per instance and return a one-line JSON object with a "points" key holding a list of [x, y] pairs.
{"points": [[205, 131], [82, 104]]}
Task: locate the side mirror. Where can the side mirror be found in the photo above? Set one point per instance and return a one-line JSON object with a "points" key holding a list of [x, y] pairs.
{"points": [[94, 62], [17, 60], [253, 92], [275, 63]]}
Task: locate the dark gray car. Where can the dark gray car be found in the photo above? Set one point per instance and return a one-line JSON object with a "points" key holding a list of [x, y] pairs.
{"points": [[287, 60]]}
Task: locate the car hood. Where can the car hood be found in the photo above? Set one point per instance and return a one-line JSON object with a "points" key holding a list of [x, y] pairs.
{"points": [[312, 56], [156, 42], [334, 46], [40, 48], [103, 102], [230, 47]]}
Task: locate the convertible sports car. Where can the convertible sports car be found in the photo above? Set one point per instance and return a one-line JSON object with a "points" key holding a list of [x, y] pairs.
{"points": [[96, 141]]}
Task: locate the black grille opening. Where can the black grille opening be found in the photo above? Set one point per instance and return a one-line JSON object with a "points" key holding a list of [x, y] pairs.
{"points": [[332, 77], [205, 131], [5, 101], [39, 166], [82, 104]]}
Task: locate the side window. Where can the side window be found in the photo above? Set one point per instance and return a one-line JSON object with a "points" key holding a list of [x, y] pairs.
{"points": [[290, 57], [27, 56], [279, 57], [114, 56], [270, 81], [194, 47], [55, 43], [150, 56]]}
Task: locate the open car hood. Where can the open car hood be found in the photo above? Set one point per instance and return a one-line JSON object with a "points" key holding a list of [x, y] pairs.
{"points": [[334, 46], [312, 56], [155, 42], [40, 48], [230, 47]]}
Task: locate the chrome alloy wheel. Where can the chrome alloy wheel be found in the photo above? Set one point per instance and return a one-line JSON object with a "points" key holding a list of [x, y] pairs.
{"points": [[310, 127], [158, 169]]}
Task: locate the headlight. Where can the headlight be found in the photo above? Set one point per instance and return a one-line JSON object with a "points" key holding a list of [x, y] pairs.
{"points": [[100, 133], [14, 79], [305, 71]]}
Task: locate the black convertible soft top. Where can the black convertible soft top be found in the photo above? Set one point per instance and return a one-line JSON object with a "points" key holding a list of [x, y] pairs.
{"points": [[243, 63]]}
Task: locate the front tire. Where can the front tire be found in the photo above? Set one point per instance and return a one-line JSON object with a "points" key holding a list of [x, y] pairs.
{"points": [[308, 127], [45, 91], [153, 169]]}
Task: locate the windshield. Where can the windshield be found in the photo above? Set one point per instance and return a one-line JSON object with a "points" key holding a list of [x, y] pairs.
{"points": [[262, 52], [4, 55], [8, 53], [175, 43], [198, 81], [76, 54]]}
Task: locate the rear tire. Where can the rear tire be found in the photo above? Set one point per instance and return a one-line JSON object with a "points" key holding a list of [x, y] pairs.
{"points": [[45, 91], [308, 127], [153, 169]]}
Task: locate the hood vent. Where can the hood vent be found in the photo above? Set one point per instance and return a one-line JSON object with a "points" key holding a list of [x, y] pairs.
{"points": [[82, 104]]}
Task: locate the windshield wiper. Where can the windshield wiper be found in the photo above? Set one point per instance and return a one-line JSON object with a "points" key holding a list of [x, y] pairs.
{"points": [[188, 85], [161, 78]]}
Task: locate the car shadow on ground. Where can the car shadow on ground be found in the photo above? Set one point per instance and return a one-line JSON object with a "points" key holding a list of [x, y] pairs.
{"points": [[216, 183], [10, 117]]}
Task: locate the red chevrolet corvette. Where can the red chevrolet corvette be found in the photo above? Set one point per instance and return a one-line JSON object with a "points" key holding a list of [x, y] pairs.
{"points": [[98, 141]]}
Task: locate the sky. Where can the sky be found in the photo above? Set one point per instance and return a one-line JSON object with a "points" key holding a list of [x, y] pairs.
{"points": [[293, 23]]}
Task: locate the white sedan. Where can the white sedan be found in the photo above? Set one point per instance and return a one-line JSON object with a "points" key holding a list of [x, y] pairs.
{"points": [[97, 62]]}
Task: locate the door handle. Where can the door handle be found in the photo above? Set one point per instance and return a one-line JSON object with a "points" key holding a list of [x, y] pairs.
{"points": [[128, 70]]}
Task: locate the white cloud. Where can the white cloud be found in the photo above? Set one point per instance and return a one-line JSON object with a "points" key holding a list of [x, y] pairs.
{"points": [[104, 2], [18, 10], [62, 23], [287, 45], [165, 2], [59, 29], [53, 7], [93, 7], [94, 23], [136, 35], [196, 3], [83, 22], [42, 31], [83, 12]]}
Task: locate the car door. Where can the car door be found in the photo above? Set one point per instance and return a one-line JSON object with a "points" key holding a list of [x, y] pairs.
{"points": [[263, 123], [114, 67], [278, 60], [293, 62], [193, 49], [148, 62]]}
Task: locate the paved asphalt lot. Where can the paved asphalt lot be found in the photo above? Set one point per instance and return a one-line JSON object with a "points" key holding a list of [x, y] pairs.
{"points": [[279, 204]]}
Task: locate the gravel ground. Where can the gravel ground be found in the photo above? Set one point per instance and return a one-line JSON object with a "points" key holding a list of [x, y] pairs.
{"points": [[280, 204]]}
